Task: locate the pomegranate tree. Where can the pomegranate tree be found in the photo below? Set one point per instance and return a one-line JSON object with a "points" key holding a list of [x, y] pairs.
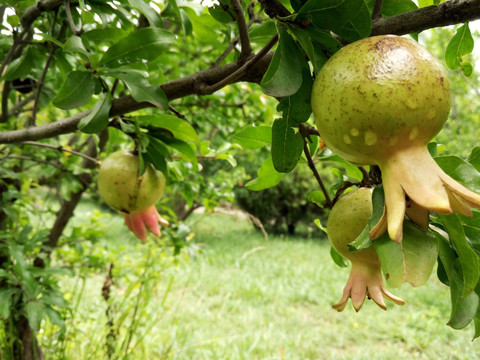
{"points": [[380, 101], [132, 195], [346, 221]]}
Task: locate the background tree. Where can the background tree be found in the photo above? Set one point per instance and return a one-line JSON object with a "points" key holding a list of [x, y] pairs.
{"points": [[184, 85]]}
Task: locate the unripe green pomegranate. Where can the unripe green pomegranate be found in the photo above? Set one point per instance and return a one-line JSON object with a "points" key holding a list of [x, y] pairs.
{"points": [[380, 101], [346, 221], [132, 195]]}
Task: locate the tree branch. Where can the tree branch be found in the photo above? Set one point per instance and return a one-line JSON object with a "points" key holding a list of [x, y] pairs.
{"points": [[242, 29], [209, 80], [61, 149], [447, 13]]}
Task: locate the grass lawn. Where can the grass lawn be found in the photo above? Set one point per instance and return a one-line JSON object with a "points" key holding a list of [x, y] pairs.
{"points": [[229, 302]]}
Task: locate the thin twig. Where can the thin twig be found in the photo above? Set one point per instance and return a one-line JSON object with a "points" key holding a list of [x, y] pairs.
{"points": [[41, 80], [5, 94], [377, 9], [176, 112], [242, 29], [61, 149], [234, 42], [305, 132], [68, 10], [243, 69]]}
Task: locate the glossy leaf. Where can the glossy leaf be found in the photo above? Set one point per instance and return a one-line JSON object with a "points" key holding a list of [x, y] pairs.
{"points": [[284, 75], [74, 45], [179, 128], [337, 258], [254, 137], [152, 16], [394, 7], [185, 149], [267, 177], [287, 146], [19, 68], [474, 158], [460, 45], [463, 308], [352, 170], [410, 261], [467, 257], [76, 91], [297, 108], [97, 120], [107, 34], [143, 44], [358, 27], [460, 170], [363, 240], [314, 52], [331, 15], [142, 90]]}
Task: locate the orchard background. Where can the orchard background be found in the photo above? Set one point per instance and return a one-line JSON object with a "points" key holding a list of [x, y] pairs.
{"points": [[217, 97]]}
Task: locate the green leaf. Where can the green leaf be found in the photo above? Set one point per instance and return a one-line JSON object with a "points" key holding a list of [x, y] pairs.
{"points": [[179, 128], [469, 261], [394, 7], [143, 44], [474, 158], [317, 197], [155, 153], [102, 35], [337, 258], [463, 309], [97, 120], [35, 311], [6, 300], [315, 7], [184, 148], [410, 261], [284, 74], [287, 146], [297, 108], [254, 137], [186, 23], [74, 45], [21, 67], [76, 91], [352, 170], [358, 27], [460, 45], [142, 90], [363, 240], [315, 54], [222, 13], [460, 170], [332, 15], [152, 16], [267, 177]]}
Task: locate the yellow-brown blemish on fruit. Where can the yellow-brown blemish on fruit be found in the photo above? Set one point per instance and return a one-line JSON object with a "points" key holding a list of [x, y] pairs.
{"points": [[413, 133], [354, 132], [347, 139], [431, 113], [370, 137], [393, 141]]}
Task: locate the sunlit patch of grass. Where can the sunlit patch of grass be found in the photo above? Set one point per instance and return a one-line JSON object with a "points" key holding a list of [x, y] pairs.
{"points": [[243, 298]]}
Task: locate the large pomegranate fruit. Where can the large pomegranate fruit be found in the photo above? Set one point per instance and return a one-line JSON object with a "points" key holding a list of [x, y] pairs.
{"points": [[132, 195], [380, 101], [346, 221]]}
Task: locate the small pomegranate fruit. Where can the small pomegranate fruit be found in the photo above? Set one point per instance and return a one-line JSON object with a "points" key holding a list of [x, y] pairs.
{"points": [[380, 100], [132, 195], [346, 221]]}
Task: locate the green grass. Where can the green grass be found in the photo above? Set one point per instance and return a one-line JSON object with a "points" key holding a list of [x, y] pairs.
{"points": [[241, 298]]}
